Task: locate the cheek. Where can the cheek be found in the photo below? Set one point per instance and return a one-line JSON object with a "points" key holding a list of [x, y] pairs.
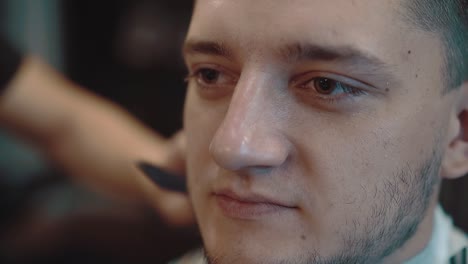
{"points": [[198, 129], [349, 164], [201, 120]]}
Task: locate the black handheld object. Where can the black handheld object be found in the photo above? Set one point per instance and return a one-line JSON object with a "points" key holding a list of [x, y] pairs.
{"points": [[10, 61], [163, 178]]}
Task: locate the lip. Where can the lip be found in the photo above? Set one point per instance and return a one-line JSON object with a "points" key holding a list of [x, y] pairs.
{"points": [[248, 206]]}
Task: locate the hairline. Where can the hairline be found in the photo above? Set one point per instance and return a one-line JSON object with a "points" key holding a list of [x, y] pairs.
{"points": [[449, 28]]}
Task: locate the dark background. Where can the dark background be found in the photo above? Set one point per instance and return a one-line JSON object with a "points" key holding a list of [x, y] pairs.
{"points": [[100, 52]]}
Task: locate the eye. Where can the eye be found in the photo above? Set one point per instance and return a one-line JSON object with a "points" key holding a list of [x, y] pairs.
{"points": [[330, 89], [212, 81], [208, 76], [324, 85]]}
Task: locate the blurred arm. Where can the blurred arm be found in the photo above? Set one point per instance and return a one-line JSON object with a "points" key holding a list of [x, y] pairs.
{"points": [[92, 139]]}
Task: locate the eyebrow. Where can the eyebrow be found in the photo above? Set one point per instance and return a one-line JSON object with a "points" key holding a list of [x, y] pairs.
{"points": [[208, 48], [315, 52], [347, 55], [295, 51]]}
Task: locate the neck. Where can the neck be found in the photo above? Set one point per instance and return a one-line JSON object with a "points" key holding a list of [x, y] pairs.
{"points": [[419, 241]]}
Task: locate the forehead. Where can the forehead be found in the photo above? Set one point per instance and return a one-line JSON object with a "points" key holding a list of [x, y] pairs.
{"points": [[253, 30], [271, 21]]}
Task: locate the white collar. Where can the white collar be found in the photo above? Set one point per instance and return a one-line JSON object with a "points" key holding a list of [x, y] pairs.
{"points": [[437, 250]]}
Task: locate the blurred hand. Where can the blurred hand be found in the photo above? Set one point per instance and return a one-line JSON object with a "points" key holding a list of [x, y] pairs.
{"points": [[175, 207], [94, 140]]}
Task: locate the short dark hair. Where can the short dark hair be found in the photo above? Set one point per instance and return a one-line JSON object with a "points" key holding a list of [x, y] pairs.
{"points": [[449, 20]]}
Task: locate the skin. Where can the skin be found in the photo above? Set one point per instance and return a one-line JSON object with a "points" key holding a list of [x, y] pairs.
{"points": [[360, 171]]}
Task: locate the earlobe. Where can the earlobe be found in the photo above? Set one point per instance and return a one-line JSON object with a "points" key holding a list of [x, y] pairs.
{"points": [[455, 162]]}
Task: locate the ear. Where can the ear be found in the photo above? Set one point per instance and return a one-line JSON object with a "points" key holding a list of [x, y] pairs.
{"points": [[455, 162]]}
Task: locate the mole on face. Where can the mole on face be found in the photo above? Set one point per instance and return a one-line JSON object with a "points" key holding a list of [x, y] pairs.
{"points": [[409, 51], [303, 237]]}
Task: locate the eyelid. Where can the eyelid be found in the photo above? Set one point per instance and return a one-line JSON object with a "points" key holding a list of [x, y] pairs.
{"points": [[223, 86], [304, 78], [194, 69]]}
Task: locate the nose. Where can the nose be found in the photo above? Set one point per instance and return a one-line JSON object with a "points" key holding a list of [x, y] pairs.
{"points": [[250, 135]]}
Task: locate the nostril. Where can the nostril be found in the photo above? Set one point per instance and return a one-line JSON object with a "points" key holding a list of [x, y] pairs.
{"points": [[226, 156], [261, 151]]}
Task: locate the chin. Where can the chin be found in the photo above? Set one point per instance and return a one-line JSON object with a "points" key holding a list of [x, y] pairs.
{"points": [[239, 256], [253, 247]]}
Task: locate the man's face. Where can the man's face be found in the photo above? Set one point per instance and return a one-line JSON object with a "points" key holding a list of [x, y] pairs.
{"points": [[315, 128]]}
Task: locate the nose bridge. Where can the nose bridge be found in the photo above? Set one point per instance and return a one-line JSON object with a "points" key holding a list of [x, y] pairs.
{"points": [[247, 100], [248, 135]]}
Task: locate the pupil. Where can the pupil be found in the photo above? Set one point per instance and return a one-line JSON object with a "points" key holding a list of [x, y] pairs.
{"points": [[325, 85], [210, 75]]}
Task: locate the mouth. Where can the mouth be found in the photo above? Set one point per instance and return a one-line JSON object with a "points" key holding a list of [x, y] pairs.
{"points": [[249, 206]]}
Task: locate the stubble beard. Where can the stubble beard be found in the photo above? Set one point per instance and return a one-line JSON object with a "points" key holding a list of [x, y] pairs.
{"points": [[402, 204]]}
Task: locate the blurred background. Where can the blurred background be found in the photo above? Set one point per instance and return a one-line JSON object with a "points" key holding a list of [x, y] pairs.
{"points": [[129, 52]]}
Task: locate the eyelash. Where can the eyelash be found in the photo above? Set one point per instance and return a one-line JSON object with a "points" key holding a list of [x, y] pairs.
{"points": [[197, 76], [349, 91]]}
